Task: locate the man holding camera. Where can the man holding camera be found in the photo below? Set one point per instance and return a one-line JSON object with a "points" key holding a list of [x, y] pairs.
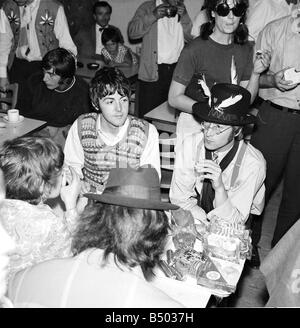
{"points": [[164, 26]]}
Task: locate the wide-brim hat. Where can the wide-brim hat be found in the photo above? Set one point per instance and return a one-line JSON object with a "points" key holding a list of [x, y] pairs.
{"points": [[137, 188], [230, 105]]}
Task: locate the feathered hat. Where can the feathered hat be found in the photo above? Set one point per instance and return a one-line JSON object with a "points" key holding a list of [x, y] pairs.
{"points": [[227, 104]]}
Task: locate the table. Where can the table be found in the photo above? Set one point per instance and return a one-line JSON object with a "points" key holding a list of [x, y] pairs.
{"points": [[187, 292], [130, 72], [12, 131], [164, 117]]}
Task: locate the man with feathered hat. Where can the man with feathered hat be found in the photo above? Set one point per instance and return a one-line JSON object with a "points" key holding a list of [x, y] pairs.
{"points": [[216, 172]]}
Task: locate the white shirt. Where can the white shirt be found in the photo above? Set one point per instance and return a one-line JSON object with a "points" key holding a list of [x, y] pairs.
{"points": [[74, 155], [99, 45], [61, 31], [263, 12], [284, 46], [244, 197], [170, 39], [6, 36]]}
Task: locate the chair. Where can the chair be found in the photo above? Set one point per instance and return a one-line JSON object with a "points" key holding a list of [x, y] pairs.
{"points": [[10, 97], [167, 159]]}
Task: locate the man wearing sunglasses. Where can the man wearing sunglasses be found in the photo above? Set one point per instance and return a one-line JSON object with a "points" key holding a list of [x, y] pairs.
{"points": [[221, 54], [216, 173]]}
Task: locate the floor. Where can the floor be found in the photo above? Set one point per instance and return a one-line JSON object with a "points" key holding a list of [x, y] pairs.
{"points": [[251, 291]]}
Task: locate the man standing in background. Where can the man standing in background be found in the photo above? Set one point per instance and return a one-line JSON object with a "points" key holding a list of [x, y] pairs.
{"points": [[278, 128], [88, 40], [164, 26]]}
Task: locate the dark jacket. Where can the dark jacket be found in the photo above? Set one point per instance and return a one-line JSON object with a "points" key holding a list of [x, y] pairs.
{"points": [[85, 41]]}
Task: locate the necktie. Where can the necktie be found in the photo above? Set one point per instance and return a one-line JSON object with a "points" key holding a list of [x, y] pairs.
{"points": [[101, 29], [23, 40], [208, 193]]}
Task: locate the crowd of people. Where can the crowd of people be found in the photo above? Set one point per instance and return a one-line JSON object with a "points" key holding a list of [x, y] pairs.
{"points": [[225, 72]]}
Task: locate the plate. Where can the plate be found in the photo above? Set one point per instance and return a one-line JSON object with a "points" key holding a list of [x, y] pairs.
{"points": [[21, 119]]}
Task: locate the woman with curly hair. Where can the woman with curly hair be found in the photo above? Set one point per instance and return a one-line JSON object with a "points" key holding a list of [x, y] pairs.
{"points": [[33, 172], [116, 247], [221, 54]]}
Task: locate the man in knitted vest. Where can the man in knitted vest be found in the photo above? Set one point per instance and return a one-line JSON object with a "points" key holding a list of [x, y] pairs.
{"points": [[30, 28], [109, 138]]}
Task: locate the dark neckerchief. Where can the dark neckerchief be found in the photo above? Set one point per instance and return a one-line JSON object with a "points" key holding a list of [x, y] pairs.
{"points": [[208, 192]]}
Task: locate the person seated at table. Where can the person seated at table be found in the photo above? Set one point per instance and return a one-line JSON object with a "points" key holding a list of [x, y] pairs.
{"points": [[216, 173], [56, 95], [33, 172], [7, 245], [88, 40], [117, 246], [114, 53], [98, 142]]}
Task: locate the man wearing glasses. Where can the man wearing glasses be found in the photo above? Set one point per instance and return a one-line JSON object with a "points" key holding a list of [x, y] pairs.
{"points": [[216, 172]]}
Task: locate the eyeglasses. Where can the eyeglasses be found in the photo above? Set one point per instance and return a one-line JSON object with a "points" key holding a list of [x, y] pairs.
{"points": [[222, 9], [51, 74], [215, 128]]}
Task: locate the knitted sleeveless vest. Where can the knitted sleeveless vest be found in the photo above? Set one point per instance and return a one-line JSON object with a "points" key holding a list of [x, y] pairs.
{"points": [[99, 158], [44, 25]]}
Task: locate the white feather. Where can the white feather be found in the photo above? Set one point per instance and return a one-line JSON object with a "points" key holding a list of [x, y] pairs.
{"points": [[205, 89], [233, 72], [229, 101]]}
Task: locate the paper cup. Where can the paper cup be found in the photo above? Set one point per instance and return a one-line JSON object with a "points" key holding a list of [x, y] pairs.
{"points": [[13, 115]]}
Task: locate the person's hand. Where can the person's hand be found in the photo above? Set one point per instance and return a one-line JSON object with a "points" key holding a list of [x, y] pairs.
{"points": [[70, 188], [281, 83], [208, 169], [4, 82], [261, 62], [85, 187], [160, 11]]}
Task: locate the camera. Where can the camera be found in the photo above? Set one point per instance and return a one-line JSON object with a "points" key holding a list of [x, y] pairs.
{"points": [[171, 11]]}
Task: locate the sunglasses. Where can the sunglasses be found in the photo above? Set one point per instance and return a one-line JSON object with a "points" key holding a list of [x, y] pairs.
{"points": [[238, 10]]}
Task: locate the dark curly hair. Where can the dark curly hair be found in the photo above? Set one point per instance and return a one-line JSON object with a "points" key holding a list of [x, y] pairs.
{"points": [[63, 63], [111, 34], [240, 35], [107, 81], [27, 164], [134, 236]]}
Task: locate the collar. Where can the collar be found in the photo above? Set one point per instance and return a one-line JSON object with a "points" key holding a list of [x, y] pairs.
{"points": [[221, 154], [68, 88], [109, 139], [98, 26]]}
